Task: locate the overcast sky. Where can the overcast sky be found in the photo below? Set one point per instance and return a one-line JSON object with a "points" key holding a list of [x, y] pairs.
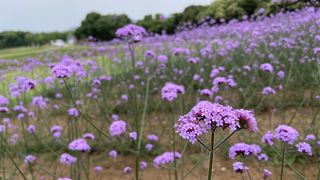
{"points": [[60, 15]]}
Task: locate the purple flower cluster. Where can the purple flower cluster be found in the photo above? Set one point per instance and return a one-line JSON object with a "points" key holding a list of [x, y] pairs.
{"points": [[304, 147], [30, 159], [131, 32], [170, 91], [243, 149], [61, 71], [117, 128], [166, 158], [67, 159], [239, 167], [79, 145], [206, 115], [286, 134]]}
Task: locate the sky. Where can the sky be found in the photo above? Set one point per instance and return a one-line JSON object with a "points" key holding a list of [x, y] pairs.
{"points": [[61, 15]]}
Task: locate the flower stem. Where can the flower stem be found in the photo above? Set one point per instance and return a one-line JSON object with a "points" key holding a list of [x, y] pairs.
{"points": [[282, 160], [211, 155]]}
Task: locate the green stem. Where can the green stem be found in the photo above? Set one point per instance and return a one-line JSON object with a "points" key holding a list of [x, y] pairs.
{"points": [[16, 166], [211, 155], [282, 160]]}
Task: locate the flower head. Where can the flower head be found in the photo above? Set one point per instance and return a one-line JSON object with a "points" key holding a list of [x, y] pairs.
{"points": [[304, 147], [67, 159], [117, 128], [286, 134], [166, 158], [79, 145]]}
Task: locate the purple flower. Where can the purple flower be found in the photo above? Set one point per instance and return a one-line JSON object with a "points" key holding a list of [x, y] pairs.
{"points": [[98, 169], [64, 178], [79, 145], [61, 71], [115, 117], [31, 129], [149, 147], [266, 67], [152, 137], [162, 58], [113, 154], [170, 91], [286, 134], [4, 110], [268, 138], [266, 173], [166, 158], [73, 112], [30, 159], [243, 149], [39, 101], [281, 74], [127, 170], [3, 101], [247, 120], [133, 135], [88, 136], [310, 137], [262, 157], [131, 32], [304, 147], [67, 159], [268, 90], [239, 167], [143, 165], [117, 128]]}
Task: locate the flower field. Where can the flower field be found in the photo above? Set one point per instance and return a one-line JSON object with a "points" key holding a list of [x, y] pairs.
{"points": [[237, 100]]}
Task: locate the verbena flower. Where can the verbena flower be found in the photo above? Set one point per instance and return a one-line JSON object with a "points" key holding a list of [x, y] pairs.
{"points": [[239, 167], [152, 137], [98, 169], [268, 138], [310, 137], [133, 135], [79, 145], [149, 147], [267, 67], [61, 71], [266, 173], [304, 147], [166, 158], [117, 128], [73, 112], [143, 165], [263, 157], [88, 136], [127, 170], [131, 32], [31, 129], [67, 159], [113, 154], [39, 101], [243, 149], [286, 134], [3, 101], [268, 90], [247, 120], [170, 91], [30, 159]]}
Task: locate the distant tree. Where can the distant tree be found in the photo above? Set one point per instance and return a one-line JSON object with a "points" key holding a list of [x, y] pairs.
{"points": [[101, 27]]}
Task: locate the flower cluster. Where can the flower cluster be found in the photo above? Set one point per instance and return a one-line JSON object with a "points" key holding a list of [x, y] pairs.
{"points": [[131, 32], [170, 91], [117, 128], [79, 145], [243, 149], [166, 158], [206, 115]]}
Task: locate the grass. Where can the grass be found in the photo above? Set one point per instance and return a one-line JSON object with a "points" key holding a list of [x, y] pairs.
{"points": [[22, 52]]}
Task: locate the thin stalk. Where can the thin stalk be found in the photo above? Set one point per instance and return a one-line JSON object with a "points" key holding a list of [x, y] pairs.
{"points": [[211, 155], [282, 160], [223, 141], [141, 128], [16, 166]]}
